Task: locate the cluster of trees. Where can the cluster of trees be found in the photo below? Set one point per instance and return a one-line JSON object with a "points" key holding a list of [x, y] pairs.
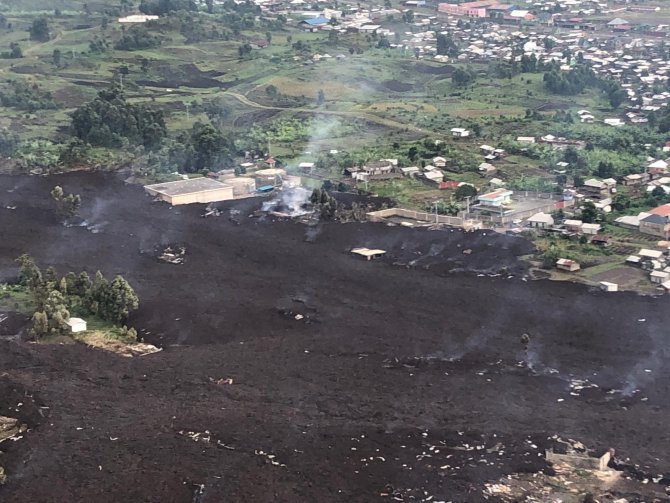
{"points": [[75, 152], [25, 96], [56, 299], [463, 77], [325, 203], [572, 82], [67, 205], [14, 52], [203, 147], [137, 38], [110, 121], [446, 46], [578, 79], [162, 7], [39, 30]]}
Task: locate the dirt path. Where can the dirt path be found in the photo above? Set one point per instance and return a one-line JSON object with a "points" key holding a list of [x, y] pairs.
{"points": [[357, 115]]}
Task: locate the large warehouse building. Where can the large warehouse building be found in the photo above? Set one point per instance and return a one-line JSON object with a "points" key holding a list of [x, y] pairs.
{"points": [[197, 190]]}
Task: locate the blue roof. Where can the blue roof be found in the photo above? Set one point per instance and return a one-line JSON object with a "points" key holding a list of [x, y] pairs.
{"points": [[655, 219], [316, 21], [265, 188]]}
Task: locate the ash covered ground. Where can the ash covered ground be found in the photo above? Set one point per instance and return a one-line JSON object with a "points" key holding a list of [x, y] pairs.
{"points": [[402, 378]]}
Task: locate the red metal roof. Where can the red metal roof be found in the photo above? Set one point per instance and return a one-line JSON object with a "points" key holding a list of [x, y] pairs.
{"points": [[663, 210]]}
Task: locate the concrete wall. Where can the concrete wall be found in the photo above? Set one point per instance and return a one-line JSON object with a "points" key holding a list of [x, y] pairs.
{"points": [[582, 461], [422, 216], [207, 196]]}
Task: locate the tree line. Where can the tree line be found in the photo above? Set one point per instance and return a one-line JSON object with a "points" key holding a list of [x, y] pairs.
{"points": [[57, 298]]}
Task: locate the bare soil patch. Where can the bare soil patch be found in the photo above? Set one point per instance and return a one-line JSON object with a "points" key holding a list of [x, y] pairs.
{"points": [[397, 86]]}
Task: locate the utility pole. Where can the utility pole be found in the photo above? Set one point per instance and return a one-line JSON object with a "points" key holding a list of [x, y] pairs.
{"points": [[435, 206], [121, 80], [467, 205], [188, 112]]}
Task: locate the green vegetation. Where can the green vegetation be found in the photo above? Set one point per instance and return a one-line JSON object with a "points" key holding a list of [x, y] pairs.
{"points": [[209, 82], [67, 204], [111, 121], [55, 300]]}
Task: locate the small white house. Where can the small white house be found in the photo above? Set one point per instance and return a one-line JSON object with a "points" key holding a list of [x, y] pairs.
{"points": [[541, 220], [459, 132], [590, 229], [609, 287], [658, 276], [76, 325]]}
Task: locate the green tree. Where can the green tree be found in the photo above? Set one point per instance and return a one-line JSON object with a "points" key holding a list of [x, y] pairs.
{"points": [[616, 97], [589, 212], [465, 190], [120, 300], [605, 169], [209, 144], [462, 78], [244, 51], [67, 204], [39, 30], [217, 110], [76, 152], [55, 308], [162, 7], [110, 118], [30, 274], [621, 202], [56, 57]]}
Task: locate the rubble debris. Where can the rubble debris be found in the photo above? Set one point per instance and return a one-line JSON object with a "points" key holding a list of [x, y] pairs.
{"points": [[10, 427], [171, 254], [269, 457], [211, 213], [227, 380]]}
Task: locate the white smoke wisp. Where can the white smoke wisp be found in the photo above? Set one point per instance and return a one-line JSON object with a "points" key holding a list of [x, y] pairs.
{"points": [[293, 202], [321, 129]]}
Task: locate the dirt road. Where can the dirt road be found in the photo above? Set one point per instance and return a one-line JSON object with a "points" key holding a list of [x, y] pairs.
{"points": [[322, 111]]}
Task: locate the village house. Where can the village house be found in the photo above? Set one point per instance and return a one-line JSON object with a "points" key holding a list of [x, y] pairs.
{"points": [[434, 177], [381, 167], [410, 171], [540, 220], [525, 139], [459, 132], [596, 189], [497, 198], [655, 225], [565, 264], [657, 168], [635, 179], [561, 143], [486, 169], [658, 277], [591, 229], [439, 162], [76, 325], [573, 226]]}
